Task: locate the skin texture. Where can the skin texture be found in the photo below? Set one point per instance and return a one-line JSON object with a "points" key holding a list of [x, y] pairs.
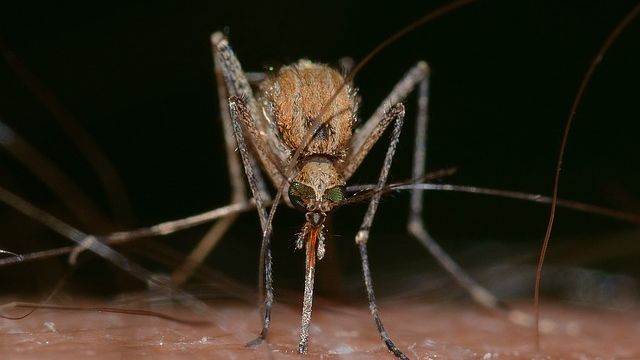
{"points": [[339, 331]]}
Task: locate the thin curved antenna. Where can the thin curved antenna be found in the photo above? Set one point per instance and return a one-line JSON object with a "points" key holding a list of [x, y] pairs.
{"points": [[517, 195], [369, 190], [563, 145]]}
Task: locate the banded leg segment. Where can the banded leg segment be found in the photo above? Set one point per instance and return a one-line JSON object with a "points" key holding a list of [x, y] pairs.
{"points": [[247, 119], [237, 85], [416, 226], [241, 117], [395, 114], [238, 191]]}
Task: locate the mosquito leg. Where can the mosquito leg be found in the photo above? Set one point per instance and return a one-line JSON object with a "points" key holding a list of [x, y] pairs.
{"points": [[238, 192], [396, 114], [242, 118], [373, 307], [98, 247], [122, 237], [230, 81], [416, 225], [237, 85], [202, 250], [416, 228]]}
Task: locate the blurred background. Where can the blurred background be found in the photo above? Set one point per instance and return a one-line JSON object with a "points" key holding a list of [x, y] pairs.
{"points": [[137, 77]]}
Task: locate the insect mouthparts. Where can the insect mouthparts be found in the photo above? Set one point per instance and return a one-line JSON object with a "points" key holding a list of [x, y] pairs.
{"points": [[315, 218]]}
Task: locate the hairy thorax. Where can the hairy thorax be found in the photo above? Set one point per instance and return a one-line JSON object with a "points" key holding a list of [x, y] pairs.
{"points": [[293, 98]]}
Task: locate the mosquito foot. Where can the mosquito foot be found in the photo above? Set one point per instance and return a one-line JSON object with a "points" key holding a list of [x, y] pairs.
{"points": [[255, 342]]}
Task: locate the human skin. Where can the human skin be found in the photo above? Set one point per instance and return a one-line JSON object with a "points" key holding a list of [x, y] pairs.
{"points": [[423, 329]]}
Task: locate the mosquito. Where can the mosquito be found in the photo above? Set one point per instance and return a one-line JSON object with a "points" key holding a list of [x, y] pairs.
{"points": [[275, 122], [299, 127]]}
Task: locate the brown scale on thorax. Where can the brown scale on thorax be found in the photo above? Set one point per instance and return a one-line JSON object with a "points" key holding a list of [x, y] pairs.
{"points": [[292, 99]]}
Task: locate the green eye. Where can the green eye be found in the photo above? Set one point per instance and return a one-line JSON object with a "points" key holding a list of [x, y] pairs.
{"points": [[298, 193], [335, 194]]}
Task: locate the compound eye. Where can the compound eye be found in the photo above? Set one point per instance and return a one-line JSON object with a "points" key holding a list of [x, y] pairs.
{"points": [[297, 201], [335, 194], [298, 193]]}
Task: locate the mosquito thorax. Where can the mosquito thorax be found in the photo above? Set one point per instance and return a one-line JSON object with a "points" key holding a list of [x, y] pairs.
{"points": [[295, 95]]}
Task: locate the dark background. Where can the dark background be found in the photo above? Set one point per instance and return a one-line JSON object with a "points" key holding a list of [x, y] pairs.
{"points": [[138, 77]]}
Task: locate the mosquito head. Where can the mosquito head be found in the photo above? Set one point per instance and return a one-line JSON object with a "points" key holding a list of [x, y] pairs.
{"points": [[317, 188]]}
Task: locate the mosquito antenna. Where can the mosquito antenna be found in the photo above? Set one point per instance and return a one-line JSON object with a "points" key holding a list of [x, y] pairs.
{"points": [[565, 137], [508, 194], [369, 190]]}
